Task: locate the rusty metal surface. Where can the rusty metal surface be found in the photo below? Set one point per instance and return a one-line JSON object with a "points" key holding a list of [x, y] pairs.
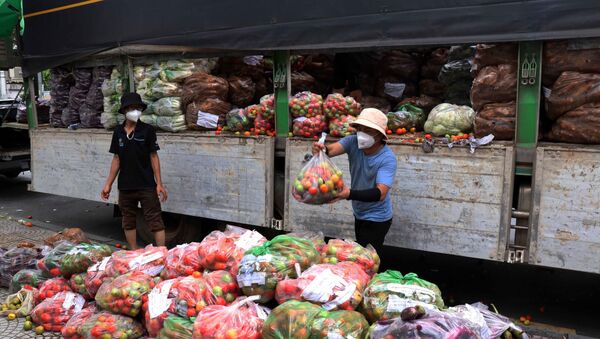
{"points": [[566, 219], [223, 178], [449, 201]]}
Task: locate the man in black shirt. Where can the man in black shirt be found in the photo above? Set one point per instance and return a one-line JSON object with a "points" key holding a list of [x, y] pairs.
{"points": [[136, 162]]}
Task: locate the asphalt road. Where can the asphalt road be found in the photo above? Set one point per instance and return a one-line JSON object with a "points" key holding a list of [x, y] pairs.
{"points": [[561, 298]]}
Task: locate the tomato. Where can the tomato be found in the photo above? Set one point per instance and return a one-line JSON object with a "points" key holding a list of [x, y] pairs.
{"points": [[313, 190]]}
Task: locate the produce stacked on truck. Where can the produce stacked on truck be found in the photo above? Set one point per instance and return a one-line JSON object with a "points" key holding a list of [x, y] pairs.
{"points": [[307, 110], [448, 119], [242, 319], [494, 90], [249, 73], [572, 90], [77, 96], [61, 80], [264, 123], [341, 112], [112, 90], [429, 84], [398, 75], [204, 97], [92, 108], [262, 267], [54, 313], [406, 116], [455, 75], [312, 73]]}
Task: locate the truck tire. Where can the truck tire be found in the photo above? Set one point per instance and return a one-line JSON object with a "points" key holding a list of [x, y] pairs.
{"points": [[178, 229]]}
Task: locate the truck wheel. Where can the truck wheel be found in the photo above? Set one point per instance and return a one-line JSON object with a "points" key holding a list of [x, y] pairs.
{"points": [[178, 229]]}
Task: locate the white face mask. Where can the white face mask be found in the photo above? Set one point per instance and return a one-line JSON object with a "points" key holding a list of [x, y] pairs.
{"points": [[365, 140], [133, 115]]}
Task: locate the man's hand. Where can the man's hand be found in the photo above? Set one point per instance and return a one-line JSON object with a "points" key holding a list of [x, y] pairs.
{"points": [[105, 194], [162, 193], [343, 195], [316, 148]]}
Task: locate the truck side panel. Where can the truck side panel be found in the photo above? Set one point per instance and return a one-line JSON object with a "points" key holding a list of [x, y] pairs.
{"points": [[449, 201], [221, 178]]}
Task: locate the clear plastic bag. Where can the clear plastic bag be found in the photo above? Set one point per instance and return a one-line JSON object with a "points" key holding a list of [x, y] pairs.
{"points": [[124, 295], [406, 116], [238, 120], [54, 313], [108, 325], [450, 119], [342, 127], [31, 277], [194, 294], [183, 260], [158, 89], [77, 320], [309, 127], [497, 323], [333, 287], [389, 293], [242, 319], [268, 106], [150, 260], [82, 256], [52, 287], [77, 284], [171, 124], [169, 106], [306, 104], [176, 70], [317, 238], [318, 182], [96, 275], [338, 250], [224, 250], [14, 260], [336, 106], [50, 264], [176, 328], [264, 126], [21, 303], [156, 308], [262, 267]]}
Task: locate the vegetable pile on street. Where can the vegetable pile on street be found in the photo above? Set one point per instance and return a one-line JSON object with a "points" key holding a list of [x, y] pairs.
{"points": [[236, 284]]}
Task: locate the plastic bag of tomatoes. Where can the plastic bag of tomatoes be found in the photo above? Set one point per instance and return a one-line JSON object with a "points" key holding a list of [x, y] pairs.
{"points": [[156, 307], [50, 264], [96, 275], [125, 294], [176, 328], [238, 120], [224, 250], [317, 238], [339, 324], [253, 110], [70, 329], [389, 293], [268, 106], [77, 284], [242, 319], [53, 313], [262, 267], [306, 104], [107, 325], [52, 287], [194, 294], [318, 182], [342, 127], [183, 260], [31, 277], [309, 127], [150, 260], [82, 256], [333, 287], [338, 250], [337, 106], [264, 125]]}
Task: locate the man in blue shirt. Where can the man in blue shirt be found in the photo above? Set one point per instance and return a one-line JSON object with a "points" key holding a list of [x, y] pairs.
{"points": [[373, 169]]}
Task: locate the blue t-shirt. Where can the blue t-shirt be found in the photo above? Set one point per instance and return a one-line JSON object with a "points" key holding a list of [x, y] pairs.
{"points": [[367, 171]]}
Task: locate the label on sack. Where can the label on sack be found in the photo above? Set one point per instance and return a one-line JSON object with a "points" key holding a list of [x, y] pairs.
{"points": [[394, 90], [264, 258], [154, 270], [398, 304], [99, 266], [248, 240], [76, 250], [414, 292], [253, 60], [144, 259], [158, 299], [207, 120], [249, 279], [300, 119], [321, 290], [72, 299]]}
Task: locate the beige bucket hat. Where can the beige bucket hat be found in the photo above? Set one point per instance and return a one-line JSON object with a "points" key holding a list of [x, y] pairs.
{"points": [[372, 118]]}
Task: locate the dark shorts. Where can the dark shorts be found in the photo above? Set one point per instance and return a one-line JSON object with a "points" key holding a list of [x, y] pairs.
{"points": [[128, 204], [371, 232]]}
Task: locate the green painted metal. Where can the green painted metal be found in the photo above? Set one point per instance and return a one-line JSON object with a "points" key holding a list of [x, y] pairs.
{"points": [[281, 84], [29, 102], [528, 94], [525, 171]]}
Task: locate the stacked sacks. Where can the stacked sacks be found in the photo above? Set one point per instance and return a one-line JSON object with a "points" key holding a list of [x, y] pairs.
{"points": [[431, 90], [204, 97], [455, 75], [112, 90], [319, 67], [244, 71], [398, 75], [341, 112], [494, 90], [61, 80], [92, 108], [77, 96], [307, 111]]}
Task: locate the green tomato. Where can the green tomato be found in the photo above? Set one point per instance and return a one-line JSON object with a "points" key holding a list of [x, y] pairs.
{"points": [[217, 291], [299, 188]]}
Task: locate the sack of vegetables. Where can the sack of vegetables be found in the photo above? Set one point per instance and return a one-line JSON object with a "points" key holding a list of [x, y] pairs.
{"points": [[182, 260], [77, 320], [53, 313], [82, 256], [336, 106], [298, 320], [150, 260], [125, 294], [31, 277], [242, 319], [309, 127], [317, 238], [333, 287], [96, 275], [449, 119], [50, 264], [15, 259], [224, 250], [21, 303], [194, 294], [341, 127], [268, 106], [108, 325], [306, 104], [262, 267], [389, 293], [51, 287], [406, 116], [238, 120], [338, 250], [176, 328], [77, 284], [319, 181], [156, 308]]}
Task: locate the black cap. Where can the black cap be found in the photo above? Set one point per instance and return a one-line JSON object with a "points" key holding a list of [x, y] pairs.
{"points": [[130, 99]]}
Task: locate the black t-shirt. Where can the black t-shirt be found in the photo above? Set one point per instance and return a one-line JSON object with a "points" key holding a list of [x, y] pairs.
{"points": [[135, 172]]}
